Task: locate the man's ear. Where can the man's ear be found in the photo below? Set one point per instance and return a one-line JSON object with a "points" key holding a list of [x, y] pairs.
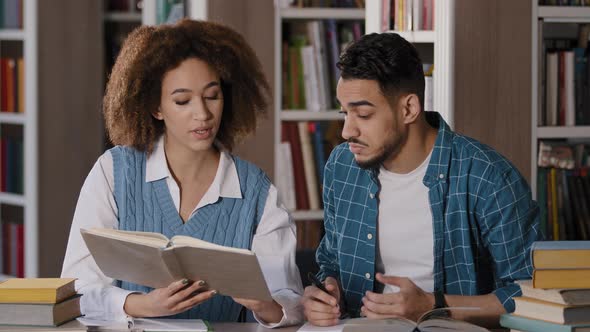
{"points": [[411, 107]]}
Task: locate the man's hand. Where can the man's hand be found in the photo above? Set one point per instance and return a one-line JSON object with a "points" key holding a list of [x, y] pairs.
{"points": [[321, 308], [178, 297], [268, 311], [410, 302]]}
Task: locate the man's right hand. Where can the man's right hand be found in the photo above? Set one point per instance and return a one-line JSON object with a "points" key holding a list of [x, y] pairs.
{"points": [[178, 297], [321, 308]]}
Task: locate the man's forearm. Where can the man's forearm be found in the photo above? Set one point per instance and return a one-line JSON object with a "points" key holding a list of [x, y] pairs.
{"points": [[488, 315]]}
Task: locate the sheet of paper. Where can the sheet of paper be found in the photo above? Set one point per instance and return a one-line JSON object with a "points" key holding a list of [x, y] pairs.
{"points": [[307, 327]]}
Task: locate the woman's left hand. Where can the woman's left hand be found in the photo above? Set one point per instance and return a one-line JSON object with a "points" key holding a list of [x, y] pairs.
{"points": [[269, 311]]}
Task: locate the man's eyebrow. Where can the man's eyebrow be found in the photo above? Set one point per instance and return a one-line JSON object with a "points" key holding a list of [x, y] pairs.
{"points": [[358, 103]]}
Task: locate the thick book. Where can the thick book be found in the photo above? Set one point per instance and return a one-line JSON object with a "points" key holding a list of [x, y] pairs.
{"points": [[563, 278], [36, 290], [556, 295], [532, 325], [153, 260], [40, 314], [551, 312], [561, 254]]}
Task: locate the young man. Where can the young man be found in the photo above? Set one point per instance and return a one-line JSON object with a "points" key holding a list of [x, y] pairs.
{"points": [[416, 216]]}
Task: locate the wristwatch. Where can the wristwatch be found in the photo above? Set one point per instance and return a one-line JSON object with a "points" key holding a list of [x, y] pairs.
{"points": [[440, 303]]}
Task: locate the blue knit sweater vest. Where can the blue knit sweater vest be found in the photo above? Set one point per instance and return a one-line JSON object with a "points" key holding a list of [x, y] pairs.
{"points": [[148, 206]]}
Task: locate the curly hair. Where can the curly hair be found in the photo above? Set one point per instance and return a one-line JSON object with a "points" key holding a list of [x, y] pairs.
{"points": [[133, 91], [388, 59]]}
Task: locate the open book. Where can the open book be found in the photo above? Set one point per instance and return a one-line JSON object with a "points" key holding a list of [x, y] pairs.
{"points": [[426, 323], [153, 260]]}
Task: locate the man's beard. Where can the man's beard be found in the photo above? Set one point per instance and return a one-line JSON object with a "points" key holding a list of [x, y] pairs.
{"points": [[390, 149]]}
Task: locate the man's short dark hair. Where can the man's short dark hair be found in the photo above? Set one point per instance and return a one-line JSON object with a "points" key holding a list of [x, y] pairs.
{"points": [[388, 59]]}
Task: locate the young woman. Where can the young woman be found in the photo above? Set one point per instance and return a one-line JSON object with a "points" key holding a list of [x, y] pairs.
{"points": [[177, 100]]}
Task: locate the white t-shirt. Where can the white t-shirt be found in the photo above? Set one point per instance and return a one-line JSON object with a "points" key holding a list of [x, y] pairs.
{"points": [[405, 242]]}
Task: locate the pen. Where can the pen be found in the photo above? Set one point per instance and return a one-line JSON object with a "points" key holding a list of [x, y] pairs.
{"points": [[312, 278], [314, 281]]}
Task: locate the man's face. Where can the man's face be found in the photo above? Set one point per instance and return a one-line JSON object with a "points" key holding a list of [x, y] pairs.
{"points": [[373, 128]]}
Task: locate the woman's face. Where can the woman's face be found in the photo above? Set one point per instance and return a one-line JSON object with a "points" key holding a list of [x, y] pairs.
{"points": [[191, 105]]}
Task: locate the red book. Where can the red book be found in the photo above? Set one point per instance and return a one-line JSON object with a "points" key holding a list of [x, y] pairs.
{"points": [[20, 250], [301, 200], [5, 248], [3, 83]]}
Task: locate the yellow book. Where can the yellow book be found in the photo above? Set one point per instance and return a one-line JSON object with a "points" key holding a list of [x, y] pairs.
{"points": [[36, 290], [571, 278], [561, 255]]}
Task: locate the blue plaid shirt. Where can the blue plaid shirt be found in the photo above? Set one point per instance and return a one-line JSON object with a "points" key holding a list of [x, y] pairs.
{"points": [[484, 220]]}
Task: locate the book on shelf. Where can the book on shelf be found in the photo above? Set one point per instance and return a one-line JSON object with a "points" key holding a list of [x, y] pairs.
{"points": [[12, 240], [153, 260], [519, 323], [551, 312], [36, 290], [555, 295], [561, 254]]}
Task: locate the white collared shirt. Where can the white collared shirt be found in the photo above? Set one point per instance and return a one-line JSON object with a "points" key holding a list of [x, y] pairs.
{"points": [[274, 242]]}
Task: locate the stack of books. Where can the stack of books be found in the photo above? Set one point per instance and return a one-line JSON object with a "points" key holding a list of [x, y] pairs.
{"points": [[558, 296], [38, 301]]}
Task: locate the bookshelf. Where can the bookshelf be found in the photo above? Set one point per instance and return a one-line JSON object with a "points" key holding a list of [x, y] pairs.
{"points": [[285, 16], [559, 115], [324, 32], [440, 40], [540, 16], [24, 39]]}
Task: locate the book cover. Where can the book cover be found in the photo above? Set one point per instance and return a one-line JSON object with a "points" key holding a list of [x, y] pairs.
{"points": [[567, 278], [36, 290], [561, 254], [153, 260]]}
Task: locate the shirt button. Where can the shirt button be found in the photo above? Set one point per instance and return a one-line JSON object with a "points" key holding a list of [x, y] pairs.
{"points": [[368, 275], [369, 236], [442, 176], [371, 195]]}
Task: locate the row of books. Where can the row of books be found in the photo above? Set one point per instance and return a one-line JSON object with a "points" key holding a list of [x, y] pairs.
{"points": [[303, 152], [558, 296], [563, 197], [12, 78], [123, 5], [407, 15], [564, 2], [12, 230], [11, 159], [322, 3], [11, 14], [565, 81], [310, 51], [38, 302]]}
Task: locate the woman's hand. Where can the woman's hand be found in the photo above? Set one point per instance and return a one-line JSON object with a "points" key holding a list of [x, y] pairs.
{"points": [[268, 311], [178, 297]]}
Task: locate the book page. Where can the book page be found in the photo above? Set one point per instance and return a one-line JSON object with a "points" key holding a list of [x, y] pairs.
{"points": [[442, 324], [134, 261], [230, 273], [182, 240], [151, 239]]}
